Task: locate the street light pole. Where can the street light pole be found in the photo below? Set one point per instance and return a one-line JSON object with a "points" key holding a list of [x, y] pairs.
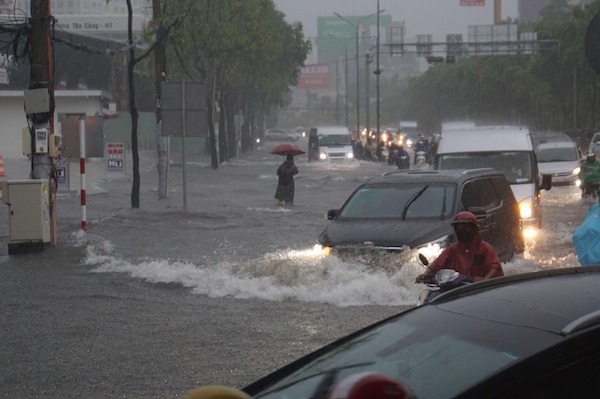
{"points": [[357, 87], [337, 93], [356, 26], [377, 73], [367, 107], [345, 74], [346, 85]]}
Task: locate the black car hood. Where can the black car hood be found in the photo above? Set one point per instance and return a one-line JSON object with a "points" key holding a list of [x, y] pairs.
{"points": [[383, 233]]}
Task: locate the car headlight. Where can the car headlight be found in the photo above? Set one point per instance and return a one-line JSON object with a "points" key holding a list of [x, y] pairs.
{"points": [[257, 141], [322, 156], [350, 155], [525, 209], [578, 183], [576, 171], [325, 250]]}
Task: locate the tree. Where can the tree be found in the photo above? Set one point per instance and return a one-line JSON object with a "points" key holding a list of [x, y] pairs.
{"points": [[544, 91], [132, 61], [245, 51]]}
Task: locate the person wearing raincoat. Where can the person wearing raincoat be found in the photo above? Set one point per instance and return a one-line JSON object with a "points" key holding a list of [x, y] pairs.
{"points": [[589, 175], [285, 186]]}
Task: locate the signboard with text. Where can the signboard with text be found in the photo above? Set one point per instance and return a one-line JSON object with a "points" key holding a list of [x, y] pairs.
{"points": [[115, 157], [184, 101], [472, 2], [314, 76]]}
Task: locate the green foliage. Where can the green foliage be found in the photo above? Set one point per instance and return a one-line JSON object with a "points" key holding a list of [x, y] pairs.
{"points": [[553, 89], [244, 45]]}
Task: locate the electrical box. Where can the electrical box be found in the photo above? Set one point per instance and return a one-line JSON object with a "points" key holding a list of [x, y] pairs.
{"points": [[37, 101], [41, 141], [29, 213]]}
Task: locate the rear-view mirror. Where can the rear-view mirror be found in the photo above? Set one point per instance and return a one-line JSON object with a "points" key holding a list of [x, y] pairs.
{"points": [[332, 213], [546, 182]]}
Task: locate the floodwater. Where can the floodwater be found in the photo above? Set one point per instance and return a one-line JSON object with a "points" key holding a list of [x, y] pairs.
{"points": [[153, 301]]}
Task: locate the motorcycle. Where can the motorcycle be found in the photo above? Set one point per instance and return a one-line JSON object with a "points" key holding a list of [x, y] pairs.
{"points": [[402, 162], [442, 281], [420, 158]]}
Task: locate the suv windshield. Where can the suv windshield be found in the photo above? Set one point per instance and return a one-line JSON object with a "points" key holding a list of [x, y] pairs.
{"points": [[334, 139], [387, 201], [516, 165]]}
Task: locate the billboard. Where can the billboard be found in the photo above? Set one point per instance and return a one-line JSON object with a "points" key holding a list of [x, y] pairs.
{"points": [[315, 76], [472, 2], [339, 33]]}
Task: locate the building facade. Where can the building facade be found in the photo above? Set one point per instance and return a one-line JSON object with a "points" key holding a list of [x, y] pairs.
{"points": [[90, 66]]}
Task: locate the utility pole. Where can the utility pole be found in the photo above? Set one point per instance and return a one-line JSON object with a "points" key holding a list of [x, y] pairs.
{"points": [[160, 75], [337, 93], [39, 107], [41, 81], [368, 61], [346, 87], [377, 72]]}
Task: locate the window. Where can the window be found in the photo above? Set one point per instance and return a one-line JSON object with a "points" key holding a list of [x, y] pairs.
{"points": [[480, 193]]}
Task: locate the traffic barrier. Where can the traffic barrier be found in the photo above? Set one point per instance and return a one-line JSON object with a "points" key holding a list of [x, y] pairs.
{"points": [[2, 166]]}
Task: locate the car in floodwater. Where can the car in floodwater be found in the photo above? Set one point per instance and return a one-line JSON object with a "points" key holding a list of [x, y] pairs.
{"points": [[559, 159], [280, 135], [530, 335], [403, 210]]}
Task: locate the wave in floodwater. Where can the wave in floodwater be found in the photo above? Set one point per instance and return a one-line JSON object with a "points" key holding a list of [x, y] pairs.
{"points": [[294, 274]]}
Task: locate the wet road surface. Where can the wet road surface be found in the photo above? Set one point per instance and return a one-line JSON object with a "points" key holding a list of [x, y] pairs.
{"points": [[152, 302]]}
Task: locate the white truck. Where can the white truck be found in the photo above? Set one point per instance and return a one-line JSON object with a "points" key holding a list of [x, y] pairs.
{"points": [[508, 149]]}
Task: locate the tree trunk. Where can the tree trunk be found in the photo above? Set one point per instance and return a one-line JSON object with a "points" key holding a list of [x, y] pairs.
{"points": [[230, 123], [223, 147], [133, 111], [212, 139]]}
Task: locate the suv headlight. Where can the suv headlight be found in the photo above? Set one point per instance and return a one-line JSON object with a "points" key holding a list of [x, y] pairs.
{"points": [[433, 249]]}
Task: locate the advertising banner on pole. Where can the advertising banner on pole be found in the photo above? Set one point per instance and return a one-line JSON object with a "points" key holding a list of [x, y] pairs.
{"points": [[115, 157], [314, 76]]}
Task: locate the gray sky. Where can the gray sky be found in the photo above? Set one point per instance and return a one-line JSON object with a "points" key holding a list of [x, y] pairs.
{"points": [[437, 17]]}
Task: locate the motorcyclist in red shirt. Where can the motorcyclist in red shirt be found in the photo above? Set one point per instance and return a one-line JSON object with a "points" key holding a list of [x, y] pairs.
{"points": [[470, 255]]}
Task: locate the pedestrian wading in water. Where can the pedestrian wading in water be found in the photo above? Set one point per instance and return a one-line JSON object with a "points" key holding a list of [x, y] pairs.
{"points": [[285, 186]]}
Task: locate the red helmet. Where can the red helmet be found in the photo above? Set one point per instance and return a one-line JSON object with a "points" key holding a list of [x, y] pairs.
{"points": [[465, 217], [371, 385]]}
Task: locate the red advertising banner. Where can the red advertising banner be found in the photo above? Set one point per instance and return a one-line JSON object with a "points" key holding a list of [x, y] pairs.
{"points": [[472, 2], [314, 76]]}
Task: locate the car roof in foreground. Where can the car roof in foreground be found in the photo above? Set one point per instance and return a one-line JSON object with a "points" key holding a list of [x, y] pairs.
{"points": [[431, 176], [560, 301], [520, 315]]}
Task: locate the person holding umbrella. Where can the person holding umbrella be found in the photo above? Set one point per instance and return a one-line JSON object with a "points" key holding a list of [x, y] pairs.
{"points": [[286, 172], [285, 186]]}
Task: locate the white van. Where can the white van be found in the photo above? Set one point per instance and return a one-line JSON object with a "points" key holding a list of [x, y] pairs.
{"points": [[334, 143], [561, 160], [508, 149]]}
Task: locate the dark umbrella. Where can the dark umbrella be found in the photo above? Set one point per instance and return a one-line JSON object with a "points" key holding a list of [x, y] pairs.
{"points": [[286, 148]]}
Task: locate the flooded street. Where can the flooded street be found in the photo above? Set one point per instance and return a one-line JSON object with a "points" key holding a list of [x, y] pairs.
{"points": [[154, 301]]}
